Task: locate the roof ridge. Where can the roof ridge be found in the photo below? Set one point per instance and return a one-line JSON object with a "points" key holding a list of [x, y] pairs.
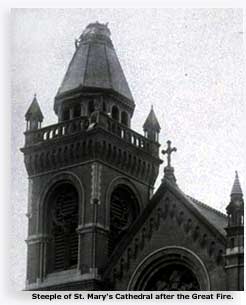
{"points": [[86, 64], [108, 66], [206, 206]]}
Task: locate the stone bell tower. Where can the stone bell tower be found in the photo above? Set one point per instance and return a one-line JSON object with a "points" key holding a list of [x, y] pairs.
{"points": [[235, 239], [90, 174]]}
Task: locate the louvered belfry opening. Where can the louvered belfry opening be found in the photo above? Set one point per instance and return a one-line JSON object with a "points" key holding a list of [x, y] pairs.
{"points": [[124, 209], [63, 222]]}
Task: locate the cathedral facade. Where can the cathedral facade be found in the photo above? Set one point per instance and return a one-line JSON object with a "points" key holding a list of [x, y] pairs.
{"points": [[94, 222]]}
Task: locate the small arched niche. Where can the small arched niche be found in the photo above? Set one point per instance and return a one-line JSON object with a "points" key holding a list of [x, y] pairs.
{"points": [[61, 222], [124, 118], [65, 114], [91, 107], [124, 208], [77, 111], [115, 113]]}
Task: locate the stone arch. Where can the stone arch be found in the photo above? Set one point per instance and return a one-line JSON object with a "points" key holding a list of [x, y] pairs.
{"points": [[56, 179], [61, 223], [65, 114], [66, 178], [124, 118], [115, 113], [171, 259], [114, 183], [77, 110], [90, 107], [123, 199]]}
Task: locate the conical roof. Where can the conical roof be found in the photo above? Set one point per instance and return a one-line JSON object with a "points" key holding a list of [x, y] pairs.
{"points": [[95, 65], [236, 188], [34, 111], [151, 122]]}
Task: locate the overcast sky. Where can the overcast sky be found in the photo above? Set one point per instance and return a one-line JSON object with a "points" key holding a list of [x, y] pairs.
{"points": [[188, 63]]}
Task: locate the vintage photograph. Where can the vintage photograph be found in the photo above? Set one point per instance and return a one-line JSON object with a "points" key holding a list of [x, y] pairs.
{"points": [[128, 149]]}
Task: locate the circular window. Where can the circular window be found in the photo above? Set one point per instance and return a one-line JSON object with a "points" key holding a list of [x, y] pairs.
{"points": [[174, 277], [170, 269]]}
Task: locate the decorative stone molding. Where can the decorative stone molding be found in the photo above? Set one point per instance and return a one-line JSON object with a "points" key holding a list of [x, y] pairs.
{"points": [[164, 256], [152, 224], [96, 175]]}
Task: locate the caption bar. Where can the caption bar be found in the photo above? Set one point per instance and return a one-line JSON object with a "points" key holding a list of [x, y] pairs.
{"points": [[131, 296]]}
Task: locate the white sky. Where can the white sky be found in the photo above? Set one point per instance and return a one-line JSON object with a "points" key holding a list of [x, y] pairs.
{"points": [[188, 63]]}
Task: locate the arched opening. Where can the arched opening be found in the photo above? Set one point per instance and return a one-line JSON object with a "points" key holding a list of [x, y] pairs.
{"points": [[65, 114], [232, 243], [124, 209], [173, 277], [61, 222], [91, 107], [170, 269], [77, 111], [124, 118], [115, 113]]}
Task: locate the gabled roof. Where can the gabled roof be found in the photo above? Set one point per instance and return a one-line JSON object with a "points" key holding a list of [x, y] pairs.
{"points": [[216, 218], [34, 111], [95, 64], [151, 122], [212, 219]]}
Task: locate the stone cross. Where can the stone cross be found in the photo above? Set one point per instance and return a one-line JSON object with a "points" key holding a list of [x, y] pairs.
{"points": [[168, 152]]}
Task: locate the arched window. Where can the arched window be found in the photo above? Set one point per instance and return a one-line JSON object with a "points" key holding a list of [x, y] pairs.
{"points": [[77, 111], [62, 218], [91, 107], [124, 118], [65, 114], [170, 269], [124, 209], [232, 243], [115, 113], [173, 277]]}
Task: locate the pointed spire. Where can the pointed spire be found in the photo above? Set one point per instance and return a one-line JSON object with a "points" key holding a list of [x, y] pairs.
{"points": [[235, 208], [34, 111], [151, 122], [236, 188]]}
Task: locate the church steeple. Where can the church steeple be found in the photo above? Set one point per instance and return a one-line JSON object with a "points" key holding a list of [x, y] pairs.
{"points": [[94, 79], [236, 205], [34, 116], [90, 175], [235, 238], [236, 188], [151, 126]]}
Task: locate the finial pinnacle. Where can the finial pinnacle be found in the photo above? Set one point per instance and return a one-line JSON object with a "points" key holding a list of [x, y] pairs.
{"points": [[169, 170], [236, 188]]}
